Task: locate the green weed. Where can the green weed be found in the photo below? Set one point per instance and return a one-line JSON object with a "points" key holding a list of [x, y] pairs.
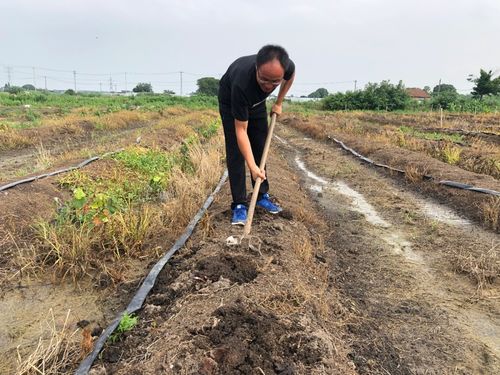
{"points": [[451, 154], [147, 161], [209, 130], [432, 136], [127, 322]]}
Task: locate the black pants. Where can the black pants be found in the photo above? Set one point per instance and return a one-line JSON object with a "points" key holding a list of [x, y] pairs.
{"points": [[257, 133]]}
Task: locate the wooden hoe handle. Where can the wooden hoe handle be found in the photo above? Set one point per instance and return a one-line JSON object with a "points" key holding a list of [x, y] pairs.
{"points": [[255, 193]]}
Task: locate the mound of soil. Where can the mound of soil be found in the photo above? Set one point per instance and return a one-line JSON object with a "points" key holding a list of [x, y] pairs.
{"points": [[239, 269], [248, 338]]}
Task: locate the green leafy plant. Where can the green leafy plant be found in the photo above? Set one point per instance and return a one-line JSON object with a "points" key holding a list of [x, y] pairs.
{"points": [[158, 182], [209, 130], [127, 322], [95, 208]]}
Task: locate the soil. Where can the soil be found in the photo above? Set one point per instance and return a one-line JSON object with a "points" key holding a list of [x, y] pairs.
{"points": [[358, 275], [379, 295]]}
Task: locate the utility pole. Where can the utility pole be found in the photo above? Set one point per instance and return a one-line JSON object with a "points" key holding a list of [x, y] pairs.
{"points": [[181, 82], [100, 87], [34, 78], [110, 84], [45, 77], [9, 70], [440, 108], [74, 78], [126, 82], [355, 84]]}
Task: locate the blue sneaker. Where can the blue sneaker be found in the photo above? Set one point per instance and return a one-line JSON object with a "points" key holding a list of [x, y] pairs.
{"points": [[239, 215], [266, 204]]}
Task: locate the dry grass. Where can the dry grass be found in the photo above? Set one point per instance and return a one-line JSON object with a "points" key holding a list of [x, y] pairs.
{"points": [[302, 296], [11, 139], [476, 155], [491, 212], [466, 121], [127, 232], [44, 158], [188, 191], [206, 226], [415, 173], [285, 303], [484, 268], [449, 153], [307, 217], [55, 351], [303, 248], [69, 126], [479, 163]]}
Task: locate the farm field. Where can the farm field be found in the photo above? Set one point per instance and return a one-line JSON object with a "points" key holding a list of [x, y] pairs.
{"points": [[364, 272]]}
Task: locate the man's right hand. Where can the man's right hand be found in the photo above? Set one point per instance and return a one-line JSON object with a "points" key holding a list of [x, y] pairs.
{"points": [[257, 172]]}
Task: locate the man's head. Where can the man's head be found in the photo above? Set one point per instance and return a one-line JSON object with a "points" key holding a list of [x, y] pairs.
{"points": [[272, 62]]}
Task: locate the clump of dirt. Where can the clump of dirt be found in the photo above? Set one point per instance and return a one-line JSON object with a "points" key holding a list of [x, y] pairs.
{"points": [[239, 269], [248, 339]]}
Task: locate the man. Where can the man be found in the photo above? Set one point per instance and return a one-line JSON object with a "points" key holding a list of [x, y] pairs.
{"points": [[242, 104]]}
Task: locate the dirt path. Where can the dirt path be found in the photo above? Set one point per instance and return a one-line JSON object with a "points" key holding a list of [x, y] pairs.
{"points": [[358, 275], [395, 254]]}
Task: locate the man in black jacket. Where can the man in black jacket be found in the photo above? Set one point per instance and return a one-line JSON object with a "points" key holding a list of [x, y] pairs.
{"points": [[242, 104]]}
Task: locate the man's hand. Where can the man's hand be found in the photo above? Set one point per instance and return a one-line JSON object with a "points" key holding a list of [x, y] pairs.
{"points": [[276, 109], [257, 172]]}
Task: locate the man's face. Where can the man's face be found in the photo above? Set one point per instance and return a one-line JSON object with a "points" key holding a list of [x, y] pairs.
{"points": [[270, 75]]}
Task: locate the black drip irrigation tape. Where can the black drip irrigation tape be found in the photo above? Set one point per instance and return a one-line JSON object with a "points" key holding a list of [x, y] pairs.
{"points": [[69, 169], [453, 184], [146, 286]]}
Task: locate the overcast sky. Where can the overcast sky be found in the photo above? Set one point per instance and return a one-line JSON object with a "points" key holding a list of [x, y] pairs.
{"points": [[332, 42]]}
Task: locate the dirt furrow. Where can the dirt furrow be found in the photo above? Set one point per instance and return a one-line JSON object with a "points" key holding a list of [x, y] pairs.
{"points": [[396, 256]]}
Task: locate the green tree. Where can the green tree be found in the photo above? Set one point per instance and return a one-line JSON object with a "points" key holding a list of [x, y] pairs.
{"points": [[70, 92], [444, 87], [485, 84], [29, 87], [444, 96], [143, 87], [12, 89], [319, 93], [375, 96], [169, 92], [208, 86]]}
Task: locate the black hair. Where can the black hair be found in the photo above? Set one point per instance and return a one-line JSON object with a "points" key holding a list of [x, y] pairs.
{"points": [[271, 52]]}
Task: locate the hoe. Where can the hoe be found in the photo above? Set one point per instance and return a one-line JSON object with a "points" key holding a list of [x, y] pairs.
{"points": [[238, 240]]}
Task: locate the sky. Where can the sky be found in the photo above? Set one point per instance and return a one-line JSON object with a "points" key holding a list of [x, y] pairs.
{"points": [[117, 43]]}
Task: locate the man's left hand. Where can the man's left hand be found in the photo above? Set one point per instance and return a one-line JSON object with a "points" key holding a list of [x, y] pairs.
{"points": [[276, 109]]}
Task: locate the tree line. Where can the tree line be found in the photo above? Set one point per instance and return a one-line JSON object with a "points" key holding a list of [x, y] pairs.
{"points": [[485, 95]]}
